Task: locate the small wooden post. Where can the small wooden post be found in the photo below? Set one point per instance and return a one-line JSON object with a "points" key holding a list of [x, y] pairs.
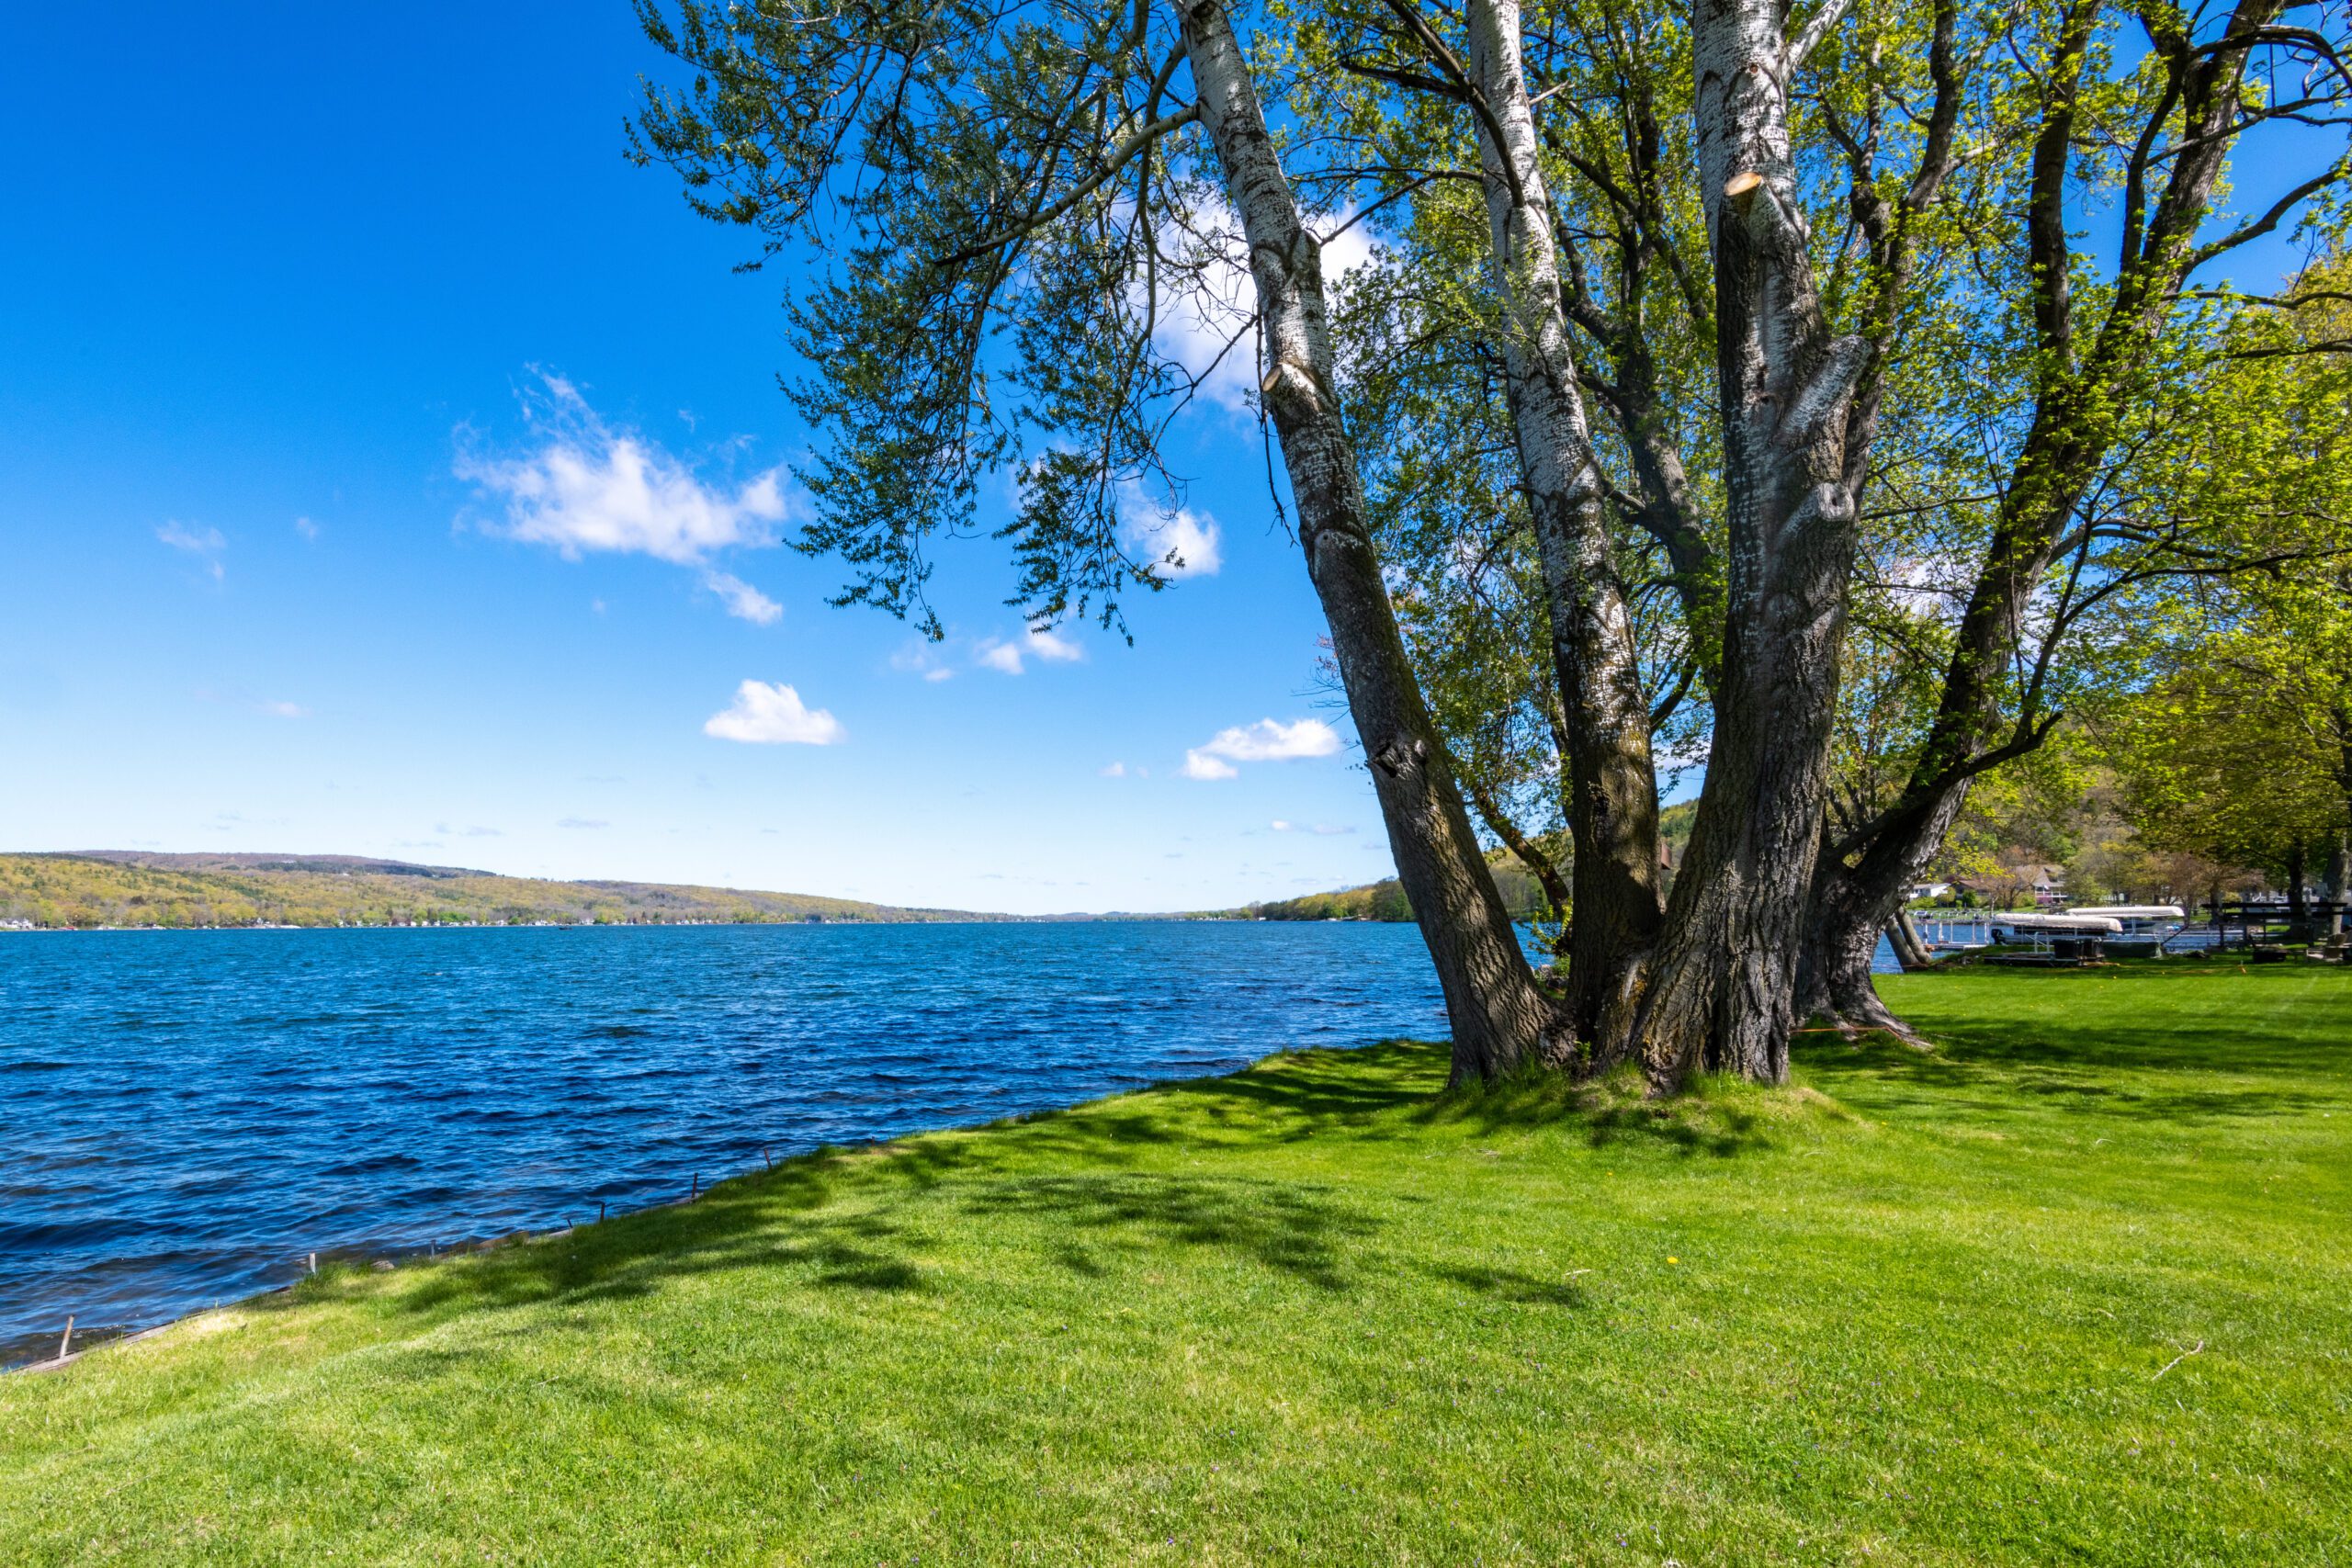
{"points": [[697, 1188], [66, 1343], [600, 1211], [768, 1158]]}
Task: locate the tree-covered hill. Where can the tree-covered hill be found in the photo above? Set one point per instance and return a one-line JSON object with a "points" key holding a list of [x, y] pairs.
{"points": [[127, 888]]}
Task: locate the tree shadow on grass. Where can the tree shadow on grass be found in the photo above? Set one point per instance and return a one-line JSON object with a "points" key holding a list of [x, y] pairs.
{"points": [[2114, 1044], [870, 1218], [1290, 1228], [1511, 1285], [1715, 1118]]}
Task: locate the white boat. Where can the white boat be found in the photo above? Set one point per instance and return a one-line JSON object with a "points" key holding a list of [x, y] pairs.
{"points": [[2037, 928], [2146, 923]]}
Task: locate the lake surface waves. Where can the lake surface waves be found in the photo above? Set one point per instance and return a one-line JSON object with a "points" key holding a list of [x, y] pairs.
{"points": [[184, 1116]]}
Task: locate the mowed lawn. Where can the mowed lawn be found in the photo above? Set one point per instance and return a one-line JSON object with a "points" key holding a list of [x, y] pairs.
{"points": [[2075, 1288]]}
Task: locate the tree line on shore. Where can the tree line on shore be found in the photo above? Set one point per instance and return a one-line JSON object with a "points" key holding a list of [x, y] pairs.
{"points": [[1853, 398], [66, 892]]}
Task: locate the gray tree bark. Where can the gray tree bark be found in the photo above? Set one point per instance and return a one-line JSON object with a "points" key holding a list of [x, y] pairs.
{"points": [[1500, 1017], [1612, 785], [1720, 992]]}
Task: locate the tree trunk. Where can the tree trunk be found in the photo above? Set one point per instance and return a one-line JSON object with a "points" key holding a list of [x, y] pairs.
{"points": [[1721, 991], [1612, 786], [1501, 1018], [2339, 883], [2299, 867], [1853, 904], [1910, 951]]}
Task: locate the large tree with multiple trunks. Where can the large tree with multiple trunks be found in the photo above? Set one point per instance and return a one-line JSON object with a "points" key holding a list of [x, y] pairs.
{"points": [[1683, 324]]}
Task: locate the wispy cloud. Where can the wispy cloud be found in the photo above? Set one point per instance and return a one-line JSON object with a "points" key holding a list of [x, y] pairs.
{"points": [[305, 527], [586, 487], [774, 716], [206, 544], [1009, 654], [1264, 741], [285, 710], [581, 822], [921, 656], [1324, 829], [743, 601]]}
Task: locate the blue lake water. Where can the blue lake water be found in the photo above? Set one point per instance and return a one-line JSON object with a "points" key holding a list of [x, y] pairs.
{"points": [[185, 1114]]}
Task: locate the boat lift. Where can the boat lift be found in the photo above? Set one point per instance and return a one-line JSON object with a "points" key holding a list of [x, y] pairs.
{"points": [[2054, 939]]}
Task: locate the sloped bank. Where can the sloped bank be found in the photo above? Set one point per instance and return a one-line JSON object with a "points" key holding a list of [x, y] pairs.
{"points": [[2073, 1286]]}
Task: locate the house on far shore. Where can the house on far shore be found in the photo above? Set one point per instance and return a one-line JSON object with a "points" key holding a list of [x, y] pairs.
{"points": [[2002, 888], [1931, 890]]}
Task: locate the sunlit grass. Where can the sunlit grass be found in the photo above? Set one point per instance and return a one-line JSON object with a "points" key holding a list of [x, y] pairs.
{"points": [[2075, 1287]]}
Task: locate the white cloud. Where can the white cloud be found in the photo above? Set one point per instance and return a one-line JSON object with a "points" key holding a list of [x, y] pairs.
{"points": [[743, 601], [1279, 826], [774, 716], [1201, 765], [1344, 253], [587, 488], [1208, 330], [1115, 771], [285, 710], [305, 527], [1264, 741], [589, 822], [1180, 543], [1008, 654], [205, 543]]}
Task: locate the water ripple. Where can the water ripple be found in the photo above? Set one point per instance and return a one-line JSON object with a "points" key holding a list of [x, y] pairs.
{"points": [[184, 1116]]}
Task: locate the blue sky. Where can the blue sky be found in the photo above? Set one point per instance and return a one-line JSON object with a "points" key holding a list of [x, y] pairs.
{"points": [[332, 336], [340, 339]]}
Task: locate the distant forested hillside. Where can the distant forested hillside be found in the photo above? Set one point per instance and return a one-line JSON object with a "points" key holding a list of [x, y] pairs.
{"points": [[117, 888]]}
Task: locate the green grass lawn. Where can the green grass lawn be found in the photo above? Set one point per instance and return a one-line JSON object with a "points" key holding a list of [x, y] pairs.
{"points": [[1918, 1308]]}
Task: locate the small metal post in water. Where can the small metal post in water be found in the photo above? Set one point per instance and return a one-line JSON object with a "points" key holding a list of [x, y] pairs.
{"points": [[66, 1343], [600, 1211], [697, 1188], [314, 1263]]}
